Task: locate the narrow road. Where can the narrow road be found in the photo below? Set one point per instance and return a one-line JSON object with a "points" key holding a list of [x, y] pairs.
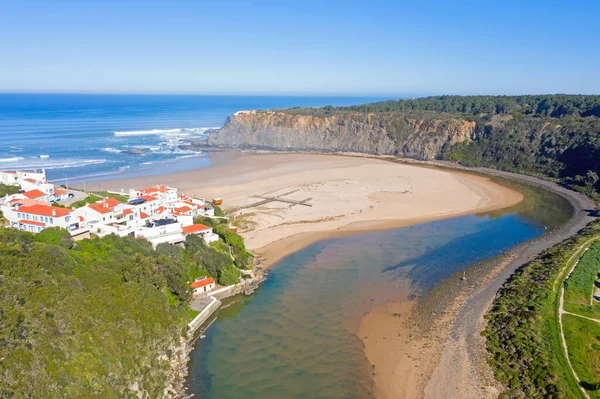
{"points": [[561, 311]]}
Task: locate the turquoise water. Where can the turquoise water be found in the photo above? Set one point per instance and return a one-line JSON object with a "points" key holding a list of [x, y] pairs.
{"points": [[296, 337]]}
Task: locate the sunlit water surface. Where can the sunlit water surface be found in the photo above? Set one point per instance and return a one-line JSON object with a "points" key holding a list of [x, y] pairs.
{"points": [[296, 337]]}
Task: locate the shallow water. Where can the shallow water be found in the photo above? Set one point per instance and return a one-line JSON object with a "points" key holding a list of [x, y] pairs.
{"points": [[296, 337]]}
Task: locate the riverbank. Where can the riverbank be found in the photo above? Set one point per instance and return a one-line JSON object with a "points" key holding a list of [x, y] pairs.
{"points": [[343, 195], [437, 350]]}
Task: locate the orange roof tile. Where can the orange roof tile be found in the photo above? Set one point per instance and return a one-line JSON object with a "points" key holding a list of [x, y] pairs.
{"points": [[202, 283], [127, 211], [144, 215], [148, 198], [34, 194], [44, 210], [99, 207], [58, 191], [195, 228], [30, 180]]}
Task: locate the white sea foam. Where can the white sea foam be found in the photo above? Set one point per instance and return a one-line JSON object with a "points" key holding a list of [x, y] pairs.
{"points": [[181, 131], [110, 149], [38, 163], [14, 159], [44, 156]]}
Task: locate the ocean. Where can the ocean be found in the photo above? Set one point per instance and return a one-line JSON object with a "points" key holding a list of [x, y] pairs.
{"points": [[78, 138]]}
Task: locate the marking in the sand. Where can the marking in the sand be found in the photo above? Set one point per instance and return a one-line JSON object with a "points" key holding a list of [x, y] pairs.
{"points": [[278, 198]]}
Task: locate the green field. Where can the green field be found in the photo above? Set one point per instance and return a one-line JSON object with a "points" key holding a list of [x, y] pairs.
{"points": [[579, 286], [583, 341], [523, 334]]}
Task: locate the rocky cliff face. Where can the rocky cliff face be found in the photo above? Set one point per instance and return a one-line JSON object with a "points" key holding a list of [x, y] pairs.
{"points": [[357, 132]]}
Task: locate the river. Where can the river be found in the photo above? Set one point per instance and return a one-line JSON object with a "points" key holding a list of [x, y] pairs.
{"points": [[296, 336]]}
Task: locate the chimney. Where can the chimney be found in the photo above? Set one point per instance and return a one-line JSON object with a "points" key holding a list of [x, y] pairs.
{"points": [[53, 211]]}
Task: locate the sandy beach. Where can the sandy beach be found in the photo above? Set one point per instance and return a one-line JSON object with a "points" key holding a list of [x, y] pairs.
{"points": [[346, 195]]}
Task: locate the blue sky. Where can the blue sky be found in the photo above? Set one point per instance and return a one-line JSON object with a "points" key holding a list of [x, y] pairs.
{"points": [[300, 47]]}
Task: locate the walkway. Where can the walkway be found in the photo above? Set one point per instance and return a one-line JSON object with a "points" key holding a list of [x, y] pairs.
{"points": [[561, 311]]}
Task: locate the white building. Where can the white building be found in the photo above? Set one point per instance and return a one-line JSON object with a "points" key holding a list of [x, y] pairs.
{"points": [[161, 231], [203, 231], [202, 285], [35, 218]]}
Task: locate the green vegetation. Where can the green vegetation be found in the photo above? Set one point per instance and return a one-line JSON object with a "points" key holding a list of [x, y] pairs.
{"points": [[8, 190], [85, 319], [212, 261], [583, 341], [90, 199], [97, 196], [96, 317], [218, 211], [555, 136], [106, 194], [522, 331], [579, 286], [230, 243]]}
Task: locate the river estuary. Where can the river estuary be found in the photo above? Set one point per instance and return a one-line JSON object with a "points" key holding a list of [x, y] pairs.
{"points": [[296, 336]]}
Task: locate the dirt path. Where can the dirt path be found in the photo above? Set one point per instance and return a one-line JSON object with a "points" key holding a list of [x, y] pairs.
{"points": [[463, 371], [579, 252]]}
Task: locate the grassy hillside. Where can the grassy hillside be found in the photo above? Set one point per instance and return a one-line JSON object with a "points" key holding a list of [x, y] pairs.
{"points": [[94, 318], [522, 331]]}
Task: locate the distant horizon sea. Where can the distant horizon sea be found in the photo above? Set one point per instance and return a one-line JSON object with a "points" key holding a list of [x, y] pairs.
{"points": [[85, 137]]}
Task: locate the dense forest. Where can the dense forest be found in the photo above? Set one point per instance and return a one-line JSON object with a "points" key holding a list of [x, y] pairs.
{"points": [[556, 136], [97, 317]]}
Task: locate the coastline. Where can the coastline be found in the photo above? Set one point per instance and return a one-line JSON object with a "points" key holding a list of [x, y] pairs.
{"points": [[438, 350], [416, 347], [480, 195], [348, 194]]}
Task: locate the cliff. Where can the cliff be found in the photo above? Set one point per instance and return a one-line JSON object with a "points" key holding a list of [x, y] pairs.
{"points": [[352, 132]]}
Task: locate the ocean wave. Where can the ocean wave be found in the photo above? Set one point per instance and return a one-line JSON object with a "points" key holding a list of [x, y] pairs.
{"points": [[43, 156], [112, 150], [180, 131], [45, 163], [14, 159]]}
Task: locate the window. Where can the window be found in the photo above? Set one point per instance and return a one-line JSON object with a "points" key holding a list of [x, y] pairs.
{"points": [[19, 215], [39, 229], [51, 221], [67, 218]]}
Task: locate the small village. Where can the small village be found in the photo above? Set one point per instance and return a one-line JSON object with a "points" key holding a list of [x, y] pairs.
{"points": [[157, 214]]}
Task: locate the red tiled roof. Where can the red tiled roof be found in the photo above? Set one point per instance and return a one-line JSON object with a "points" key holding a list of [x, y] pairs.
{"points": [[111, 202], [44, 210], [81, 219], [160, 209], [148, 198], [99, 207], [144, 215], [58, 191], [30, 180], [127, 211], [182, 209], [157, 189], [195, 228], [202, 283], [23, 221], [34, 194], [11, 172]]}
